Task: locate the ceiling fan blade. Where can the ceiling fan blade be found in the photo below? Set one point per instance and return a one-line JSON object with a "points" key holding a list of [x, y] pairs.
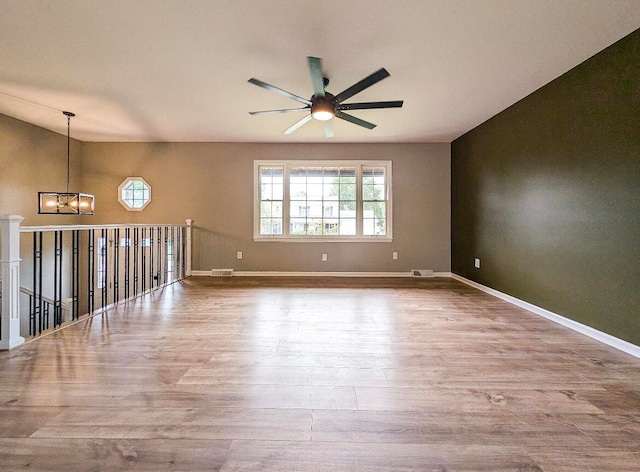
{"points": [[363, 84], [354, 120], [328, 129], [369, 105], [278, 90], [315, 67], [272, 112], [297, 125]]}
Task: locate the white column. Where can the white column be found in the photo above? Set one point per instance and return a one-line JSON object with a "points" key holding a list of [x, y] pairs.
{"points": [[10, 261], [187, 267]]}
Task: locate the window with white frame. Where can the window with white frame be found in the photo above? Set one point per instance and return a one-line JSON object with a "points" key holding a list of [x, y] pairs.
{"points": [[322, 200], [134, 193]]}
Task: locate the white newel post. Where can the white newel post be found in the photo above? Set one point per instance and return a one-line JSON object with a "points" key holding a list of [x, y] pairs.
{"points": [[10, 261], [187, 267]]}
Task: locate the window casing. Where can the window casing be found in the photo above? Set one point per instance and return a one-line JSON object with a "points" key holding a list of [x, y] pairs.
{"points": [[322, 201], [134, 193]]}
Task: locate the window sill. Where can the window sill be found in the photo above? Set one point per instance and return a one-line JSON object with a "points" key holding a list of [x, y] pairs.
{"points": [[320, 239]]}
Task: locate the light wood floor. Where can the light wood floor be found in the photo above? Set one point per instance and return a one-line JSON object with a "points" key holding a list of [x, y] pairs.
{"points": [[318, 375]]}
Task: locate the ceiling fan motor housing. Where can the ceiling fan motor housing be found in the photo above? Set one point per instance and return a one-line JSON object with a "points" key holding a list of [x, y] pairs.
{"points": [[323, 108]]}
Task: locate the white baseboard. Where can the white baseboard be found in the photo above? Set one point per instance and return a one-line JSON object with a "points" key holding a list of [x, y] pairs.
{"points": [[593, 333], [318, 274], [257, 273]]}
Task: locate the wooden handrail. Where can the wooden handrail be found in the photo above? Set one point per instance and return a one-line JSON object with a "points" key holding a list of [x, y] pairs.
{"points": [[31, 229]]}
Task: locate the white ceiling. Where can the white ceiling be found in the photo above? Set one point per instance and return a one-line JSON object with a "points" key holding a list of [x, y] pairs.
{"points": [[177, 70]]}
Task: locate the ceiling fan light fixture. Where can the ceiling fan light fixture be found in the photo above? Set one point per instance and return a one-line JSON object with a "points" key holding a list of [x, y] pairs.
{"points": [[322, 110]]}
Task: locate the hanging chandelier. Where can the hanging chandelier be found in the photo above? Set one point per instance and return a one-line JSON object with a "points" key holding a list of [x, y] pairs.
{"points": [[66, 203]]}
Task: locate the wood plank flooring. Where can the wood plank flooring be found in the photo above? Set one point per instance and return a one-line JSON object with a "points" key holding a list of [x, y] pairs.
{"points": [[318, 374]]}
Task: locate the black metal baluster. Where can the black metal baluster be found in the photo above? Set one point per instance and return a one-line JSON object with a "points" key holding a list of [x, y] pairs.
{"points": [[116, 265], [104, 252], [91, 265], [43, 316], [177, 249], [127, 245], [57, 278], [165, 255], [172, 257], [34, 315], [151, 242], [143, 270], [75, 273], [136, 243], [159, 256], [184, 252]]}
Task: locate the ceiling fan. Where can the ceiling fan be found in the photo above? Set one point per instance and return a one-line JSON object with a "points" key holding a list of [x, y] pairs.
{"points": [[323, 106]]}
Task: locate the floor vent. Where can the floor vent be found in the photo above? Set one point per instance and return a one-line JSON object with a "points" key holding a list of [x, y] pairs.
{"points": [[221, 272], [422, 273]]}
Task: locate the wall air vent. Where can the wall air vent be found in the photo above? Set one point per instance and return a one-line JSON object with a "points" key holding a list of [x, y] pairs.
{"points": [[221, 272], [422, 273]]}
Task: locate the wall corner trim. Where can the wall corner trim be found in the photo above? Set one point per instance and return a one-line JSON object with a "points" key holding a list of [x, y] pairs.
{"points": [[593, 333]]}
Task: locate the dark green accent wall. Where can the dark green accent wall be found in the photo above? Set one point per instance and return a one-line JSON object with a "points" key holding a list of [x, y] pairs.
{"points": [[547, 195]]}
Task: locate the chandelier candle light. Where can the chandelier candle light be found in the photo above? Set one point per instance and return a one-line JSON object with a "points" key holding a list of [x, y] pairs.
{"points": [[66, 203]]}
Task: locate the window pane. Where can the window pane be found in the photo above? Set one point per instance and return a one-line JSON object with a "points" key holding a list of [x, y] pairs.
{"points": [[374, 214], [270, 226], [134, 193], [271, 191], [266, 191], [315, 209], [368, 227], [323, 199], [374, 227], [379, 209], [298, 209], [278, 189], [314, 191], [314, 226], [348, 226], [298, 226], [266, 209], [331, 226]]}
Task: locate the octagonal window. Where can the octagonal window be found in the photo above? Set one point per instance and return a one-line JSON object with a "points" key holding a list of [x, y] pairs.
{"points": [[134, 193]]}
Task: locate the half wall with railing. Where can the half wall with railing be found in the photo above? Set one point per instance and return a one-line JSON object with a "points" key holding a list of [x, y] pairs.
{"points": [[56, 274]]}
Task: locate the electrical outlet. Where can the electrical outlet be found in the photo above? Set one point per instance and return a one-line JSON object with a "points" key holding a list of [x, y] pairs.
{"points": [[476, 263], [324, 258], [394, 255], [239, 255]]}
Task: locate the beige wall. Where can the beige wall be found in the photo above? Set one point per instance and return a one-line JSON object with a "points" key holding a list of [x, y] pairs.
{"points": [[33, 159], [212, 183]]}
